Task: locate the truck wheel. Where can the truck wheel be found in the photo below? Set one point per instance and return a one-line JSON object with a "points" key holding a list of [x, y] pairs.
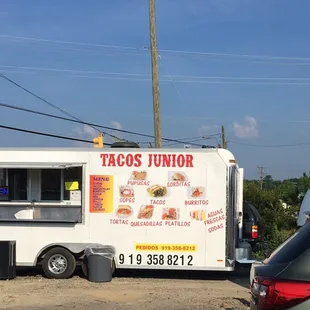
{"points": [[58, 263]]}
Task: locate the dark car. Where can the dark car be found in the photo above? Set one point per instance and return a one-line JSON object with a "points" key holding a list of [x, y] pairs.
{"points": [[283, 281], [253, 227]]}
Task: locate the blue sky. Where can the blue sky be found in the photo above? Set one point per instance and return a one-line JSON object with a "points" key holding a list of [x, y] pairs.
{"points": [[260, 100]]}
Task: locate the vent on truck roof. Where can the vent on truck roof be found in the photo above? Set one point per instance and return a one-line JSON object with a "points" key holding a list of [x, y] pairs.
{"points": [[125, 145], [208, 147]]}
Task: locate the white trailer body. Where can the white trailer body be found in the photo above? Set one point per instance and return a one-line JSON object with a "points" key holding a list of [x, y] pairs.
{"points": [[167, 209]]}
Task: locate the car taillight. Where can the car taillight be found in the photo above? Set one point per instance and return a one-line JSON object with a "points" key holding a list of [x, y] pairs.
{"points": [[254, 232], [279, 295]]}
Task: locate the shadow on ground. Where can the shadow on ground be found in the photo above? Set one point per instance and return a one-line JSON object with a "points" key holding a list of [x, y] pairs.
{"points": [[240, 276]]}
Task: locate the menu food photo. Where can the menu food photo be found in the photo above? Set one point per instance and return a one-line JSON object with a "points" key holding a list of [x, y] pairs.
{"points": [[175, 199]]}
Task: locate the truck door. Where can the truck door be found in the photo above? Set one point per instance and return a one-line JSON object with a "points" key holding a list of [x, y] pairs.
{"points": [[231, 221]]}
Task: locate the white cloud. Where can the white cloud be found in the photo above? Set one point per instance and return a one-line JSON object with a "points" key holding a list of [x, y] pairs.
{"points": [[85, 133], [90, 131], [249, 129], [209, 129], [116, 125]]}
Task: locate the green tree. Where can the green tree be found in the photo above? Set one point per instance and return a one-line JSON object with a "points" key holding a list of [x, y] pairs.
{"points": [[289, 192], [279, 222]]}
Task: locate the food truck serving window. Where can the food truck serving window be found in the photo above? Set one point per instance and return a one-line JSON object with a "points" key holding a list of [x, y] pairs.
{"points": [[51, 192]]}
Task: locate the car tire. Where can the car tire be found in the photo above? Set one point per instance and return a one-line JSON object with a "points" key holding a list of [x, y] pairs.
{"points": [[58, 263]]}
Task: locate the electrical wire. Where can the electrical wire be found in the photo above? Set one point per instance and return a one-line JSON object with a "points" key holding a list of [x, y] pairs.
{"points": [[51, 104], [135, 79], [128, 53], [148, 75], [70, 42], [271, 145], [46, 134], [40, 98], [160, 50], [4, 105], [187, 142]]}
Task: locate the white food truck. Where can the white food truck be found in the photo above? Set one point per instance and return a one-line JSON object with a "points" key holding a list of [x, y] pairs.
{"points": [[154, 209]]}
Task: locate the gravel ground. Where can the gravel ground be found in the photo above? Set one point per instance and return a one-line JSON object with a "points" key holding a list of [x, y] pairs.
{"points": [[38, 293]]}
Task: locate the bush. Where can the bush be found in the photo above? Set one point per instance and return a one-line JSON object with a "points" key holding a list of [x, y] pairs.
{"points": [[280, 223]]}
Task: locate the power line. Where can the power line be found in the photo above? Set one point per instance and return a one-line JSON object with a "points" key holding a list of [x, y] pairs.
{"points": [[46, 134], [128, 53], [4, 105], [160, 50], [187, 142], [40, 98], [271, 145], [145, 75], [135, 79], [70, 42], [50, 104]]}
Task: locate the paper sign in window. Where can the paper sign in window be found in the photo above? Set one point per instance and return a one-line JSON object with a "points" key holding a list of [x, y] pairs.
{"points": [[72, 186]]}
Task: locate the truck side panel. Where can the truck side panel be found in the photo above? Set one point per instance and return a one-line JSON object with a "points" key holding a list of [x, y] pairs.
{"points": [[178, 224], [34, 235], [184, 227]]}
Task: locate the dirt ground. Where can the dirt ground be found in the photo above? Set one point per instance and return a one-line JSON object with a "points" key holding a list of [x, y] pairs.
{"points": [[38, 293]]}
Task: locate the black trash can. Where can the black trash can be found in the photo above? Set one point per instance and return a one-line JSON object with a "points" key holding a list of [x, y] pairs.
{"points": [[99, 264], [7, 260]]}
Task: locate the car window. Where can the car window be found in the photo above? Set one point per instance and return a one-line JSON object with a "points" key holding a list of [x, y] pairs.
{"points": [[292, 247], [256, 213], [246, 214]]}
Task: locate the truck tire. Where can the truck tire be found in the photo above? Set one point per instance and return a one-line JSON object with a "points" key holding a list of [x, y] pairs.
{"points": [[58, 263]]}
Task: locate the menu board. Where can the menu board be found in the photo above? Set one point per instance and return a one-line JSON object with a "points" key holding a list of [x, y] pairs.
{"points": [[147, 194], [143, 203], [101, 193]]}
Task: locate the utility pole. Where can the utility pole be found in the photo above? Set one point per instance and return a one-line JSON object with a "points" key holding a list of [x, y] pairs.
{"points": [[155, 78], [262, 175], [224, 143]]}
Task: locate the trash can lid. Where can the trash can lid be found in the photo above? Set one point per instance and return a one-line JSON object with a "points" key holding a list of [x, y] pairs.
{"points": [[105, 250]]}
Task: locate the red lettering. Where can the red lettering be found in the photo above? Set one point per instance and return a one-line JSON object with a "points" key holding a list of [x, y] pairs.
{"points": [[166, 160], [170, 160], [215, 219], [138, 183], [150, 160], [120, 160], [129, 160], [138, 161], [172, 164], [127, 200], [181, 161], [189, 161], [178, 184], [158, 202], [215, 228], [157, 160], [154, 160], [111, 161], [104, 157], [215, 213], [196, 202], [177, 223], [118, 222], [146, 223]]}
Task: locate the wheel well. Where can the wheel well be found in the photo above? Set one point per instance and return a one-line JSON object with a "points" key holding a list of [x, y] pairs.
{"points": [[76, 249], [40, 257]]}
